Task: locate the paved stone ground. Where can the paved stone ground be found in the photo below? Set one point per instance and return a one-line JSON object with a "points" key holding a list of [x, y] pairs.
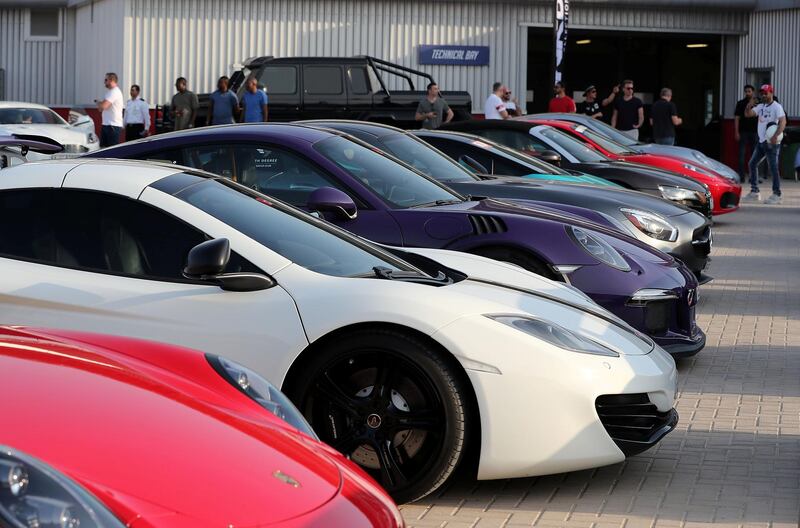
{"points": [[734, 459]]}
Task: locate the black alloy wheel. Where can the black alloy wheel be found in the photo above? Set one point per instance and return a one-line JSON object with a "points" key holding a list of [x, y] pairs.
{"points": [[391, 404]]}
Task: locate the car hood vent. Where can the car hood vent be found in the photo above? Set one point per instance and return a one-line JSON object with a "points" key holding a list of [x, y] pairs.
{"points": [[486, 224]]}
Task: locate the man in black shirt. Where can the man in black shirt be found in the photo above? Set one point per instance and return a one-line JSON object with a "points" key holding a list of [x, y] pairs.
{"points": [[628, 113], [664, 118], [589, 106], [745, 129]]}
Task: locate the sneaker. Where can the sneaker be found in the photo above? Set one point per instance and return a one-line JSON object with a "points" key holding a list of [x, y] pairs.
{"points": [[752, 197], [773, 200]]}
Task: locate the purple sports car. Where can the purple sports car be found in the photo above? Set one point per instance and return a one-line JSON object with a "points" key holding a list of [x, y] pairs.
{"points": [[373, 195]]}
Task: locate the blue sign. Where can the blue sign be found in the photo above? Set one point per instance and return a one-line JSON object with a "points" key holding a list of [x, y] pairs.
{"points": [[454, 55]]}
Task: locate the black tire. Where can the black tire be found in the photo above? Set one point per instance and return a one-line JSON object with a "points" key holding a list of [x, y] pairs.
{"points": [[335, 390], [519, 258]]}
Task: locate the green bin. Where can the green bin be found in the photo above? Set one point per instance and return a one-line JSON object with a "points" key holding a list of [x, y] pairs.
{"points": [[787, 161]]}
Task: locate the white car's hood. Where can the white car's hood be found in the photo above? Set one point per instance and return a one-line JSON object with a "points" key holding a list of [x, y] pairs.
{"points": [[518, 289], [64, 134]]}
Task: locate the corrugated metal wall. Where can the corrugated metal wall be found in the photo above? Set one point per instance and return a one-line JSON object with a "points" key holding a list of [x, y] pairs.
{"points": [[200, 39], [33, 70], [99, 48], [774, 42]]}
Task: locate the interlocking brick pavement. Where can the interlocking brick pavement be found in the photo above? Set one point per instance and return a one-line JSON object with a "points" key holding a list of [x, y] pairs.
{"points": [[734, 459]]}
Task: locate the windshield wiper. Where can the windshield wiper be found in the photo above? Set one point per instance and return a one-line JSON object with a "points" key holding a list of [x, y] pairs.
{"points": [[437, 202], [382, 272]]}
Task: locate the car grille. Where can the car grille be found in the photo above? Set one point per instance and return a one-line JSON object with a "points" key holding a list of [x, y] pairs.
{"points": [[485, 224], [728, 200], [633, 421], [657, 315], [701, 241]]}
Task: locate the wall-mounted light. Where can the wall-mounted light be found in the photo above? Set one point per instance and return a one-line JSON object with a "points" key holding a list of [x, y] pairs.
{"points": [[585, 41], [697, 45]]}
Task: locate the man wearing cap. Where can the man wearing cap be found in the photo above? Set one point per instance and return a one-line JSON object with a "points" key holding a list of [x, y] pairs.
{"points": [[589, 106], [769, 112]]}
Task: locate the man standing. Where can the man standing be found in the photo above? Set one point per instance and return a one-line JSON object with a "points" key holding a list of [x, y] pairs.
{"points": [[664, 118], [771, 116], [512, 105], [432, 110], [254, 102], [137, 116], [561, 103], [628, 113], [223, 105], [589, 106], [184, 106], [111, 108], [494, 108], [745, 128]]}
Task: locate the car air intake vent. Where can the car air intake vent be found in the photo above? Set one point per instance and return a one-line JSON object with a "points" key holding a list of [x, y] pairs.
{"points": [[633, 422], [485, 224]]}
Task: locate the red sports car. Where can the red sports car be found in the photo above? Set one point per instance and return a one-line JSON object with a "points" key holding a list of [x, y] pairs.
{"points": [[103, 431], [724, 192]]}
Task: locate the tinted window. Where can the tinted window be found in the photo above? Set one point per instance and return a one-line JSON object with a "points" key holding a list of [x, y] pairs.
{"points": [[28, 116], [26, 232], [608, 144], [279, 79], [298, 237], [270, 170], [359, 80], [425, 158], [322, 80], [515, 139], [493, 163], [519, 159], [571, 147], [395, 183]]}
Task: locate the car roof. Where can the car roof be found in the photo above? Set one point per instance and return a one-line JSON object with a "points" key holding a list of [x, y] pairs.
{"points": [[450, 134], [239, 131], [85, 173], [376, 129], [480, 124], [556, 115], [21, 104]]}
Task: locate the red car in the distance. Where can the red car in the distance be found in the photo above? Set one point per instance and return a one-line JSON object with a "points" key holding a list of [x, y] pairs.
{"points": [[103, 432], [724, 192]]}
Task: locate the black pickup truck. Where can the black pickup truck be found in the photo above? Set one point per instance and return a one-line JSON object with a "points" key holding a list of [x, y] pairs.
{"points": [[332, 88]]}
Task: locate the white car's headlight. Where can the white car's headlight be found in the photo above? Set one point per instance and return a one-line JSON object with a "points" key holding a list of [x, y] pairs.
{"points": [[651, 224], [598, 248], [679, 194], [34, 494], [261, 391], [554, 334]]}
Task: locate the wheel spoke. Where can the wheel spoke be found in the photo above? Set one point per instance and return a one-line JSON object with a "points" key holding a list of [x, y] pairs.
{"points": [[336, 396], [391, 472], [424, 419], [347, 443], [385, 377]]}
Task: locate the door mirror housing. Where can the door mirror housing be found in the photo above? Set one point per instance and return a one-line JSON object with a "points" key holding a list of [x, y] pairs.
{"points": [[550, 156], [330, 200], [207, 260], [473, 164]]}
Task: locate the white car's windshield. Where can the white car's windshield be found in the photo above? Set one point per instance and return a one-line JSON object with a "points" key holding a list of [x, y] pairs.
{"points": [[29, 116], [291, 233]]}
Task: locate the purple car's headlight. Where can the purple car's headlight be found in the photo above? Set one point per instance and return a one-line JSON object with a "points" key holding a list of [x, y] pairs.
{"points": [[598, 248], [34, 495]]}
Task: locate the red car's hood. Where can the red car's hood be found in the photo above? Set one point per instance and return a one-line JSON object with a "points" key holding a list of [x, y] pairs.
{"points": [[148, 448]]}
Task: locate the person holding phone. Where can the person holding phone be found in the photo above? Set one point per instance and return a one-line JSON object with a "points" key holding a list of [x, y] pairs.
{"points": [[433, 110]]}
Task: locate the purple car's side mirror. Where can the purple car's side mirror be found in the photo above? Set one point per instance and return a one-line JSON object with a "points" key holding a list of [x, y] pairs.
{"points": [[328, 199]]}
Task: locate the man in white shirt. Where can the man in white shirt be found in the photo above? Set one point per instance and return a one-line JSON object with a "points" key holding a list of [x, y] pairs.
{"points": [[111, 108], [769, 112], [494, 107], [137, 116]]}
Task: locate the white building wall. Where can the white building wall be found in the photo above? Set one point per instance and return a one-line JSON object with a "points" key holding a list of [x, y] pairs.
{"points": [[773, 41], [99, 48], [34, 70]]}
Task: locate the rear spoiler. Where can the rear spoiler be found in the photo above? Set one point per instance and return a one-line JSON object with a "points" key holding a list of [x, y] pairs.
{"points": [[26, 143]]}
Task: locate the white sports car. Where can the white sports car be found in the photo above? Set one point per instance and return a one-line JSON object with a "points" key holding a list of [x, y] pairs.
{"points": [[402, 360], [27, 119]]}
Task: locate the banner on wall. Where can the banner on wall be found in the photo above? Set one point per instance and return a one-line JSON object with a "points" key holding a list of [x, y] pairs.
{"points": [[560, 23], [454, 55]]}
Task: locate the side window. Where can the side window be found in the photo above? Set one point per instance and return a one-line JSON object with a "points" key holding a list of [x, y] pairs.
{"points": [[216, 159], [513, 139], [322, 80], [26, 232], [359, 80], [457, 149], [279, 80]]}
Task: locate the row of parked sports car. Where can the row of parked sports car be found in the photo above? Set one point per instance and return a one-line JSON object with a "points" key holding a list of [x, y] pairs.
{"points": [[450, 303]]}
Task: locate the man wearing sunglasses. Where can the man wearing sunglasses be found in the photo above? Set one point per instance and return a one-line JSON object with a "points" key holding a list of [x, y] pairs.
{"points": [[589, 106], [628, 113]]}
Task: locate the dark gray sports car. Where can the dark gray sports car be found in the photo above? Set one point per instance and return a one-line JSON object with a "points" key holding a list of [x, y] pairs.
{"points": [[672, 228]]}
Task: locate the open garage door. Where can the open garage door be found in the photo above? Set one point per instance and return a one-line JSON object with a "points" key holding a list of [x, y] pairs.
{"points": [[689, 64]]}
